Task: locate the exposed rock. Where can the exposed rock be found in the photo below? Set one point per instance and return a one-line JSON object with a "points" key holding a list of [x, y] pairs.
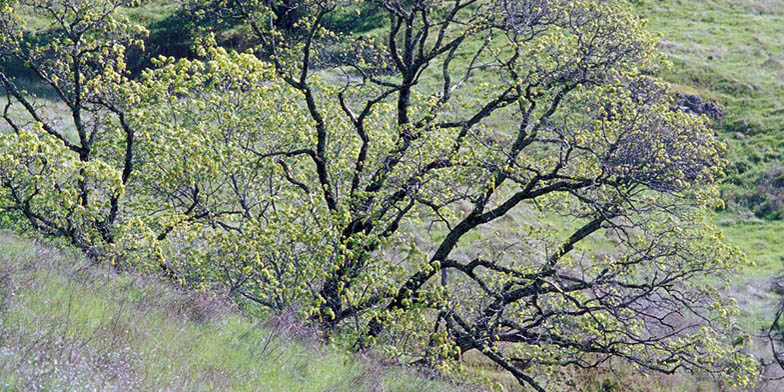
{"points": [[777, 284], [695, 105], [774, 63]]}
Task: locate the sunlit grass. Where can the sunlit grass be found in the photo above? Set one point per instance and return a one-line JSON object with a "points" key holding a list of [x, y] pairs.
{"points": [[731, 52], [724, 50], [67, 326]]}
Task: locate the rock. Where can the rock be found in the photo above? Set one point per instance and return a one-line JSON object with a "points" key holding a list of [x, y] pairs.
{"points": [[773, 63], [777, 285], [695, 105]]}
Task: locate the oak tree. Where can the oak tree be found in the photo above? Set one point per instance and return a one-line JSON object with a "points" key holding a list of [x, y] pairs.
{"points": [[501, 176], [63, 165]]}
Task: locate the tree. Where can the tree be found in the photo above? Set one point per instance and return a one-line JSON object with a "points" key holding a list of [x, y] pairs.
{"points": [[63, 169], [365, 187], [396, 190]]}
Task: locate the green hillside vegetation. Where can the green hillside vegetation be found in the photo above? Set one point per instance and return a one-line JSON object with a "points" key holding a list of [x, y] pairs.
{"points": [[69, 325], [732, 53], [66, 324], [724, 51]]}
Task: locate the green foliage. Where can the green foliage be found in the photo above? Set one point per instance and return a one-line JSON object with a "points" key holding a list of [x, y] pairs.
{"points": [[67, 184], [33, 162], [293, 178], [730, 52]]}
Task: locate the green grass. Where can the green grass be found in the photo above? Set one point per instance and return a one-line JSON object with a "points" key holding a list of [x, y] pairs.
{"points": [[732, 52], [752, 287], [727, 51], [65, 325]]}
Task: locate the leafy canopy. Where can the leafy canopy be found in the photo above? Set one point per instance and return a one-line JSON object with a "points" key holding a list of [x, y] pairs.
{"points": [[395, 187]]}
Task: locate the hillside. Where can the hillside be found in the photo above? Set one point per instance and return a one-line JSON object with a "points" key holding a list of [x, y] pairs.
{"points": [[67, 325], [731, 53]]}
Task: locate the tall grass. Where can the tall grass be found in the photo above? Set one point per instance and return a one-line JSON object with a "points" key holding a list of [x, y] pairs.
{"points": [[65, 325]]}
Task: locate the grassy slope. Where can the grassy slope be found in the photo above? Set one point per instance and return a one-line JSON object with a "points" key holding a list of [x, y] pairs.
{"points": [[728, 51], [732, 52], [64, 326]]}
